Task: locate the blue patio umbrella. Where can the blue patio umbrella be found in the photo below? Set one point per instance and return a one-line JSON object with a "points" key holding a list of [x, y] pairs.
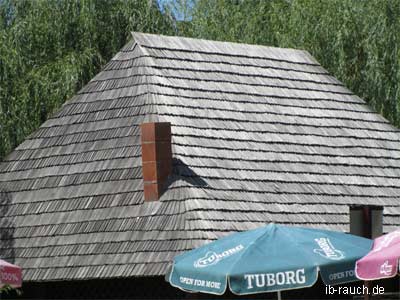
{"points": [[269, 259]]}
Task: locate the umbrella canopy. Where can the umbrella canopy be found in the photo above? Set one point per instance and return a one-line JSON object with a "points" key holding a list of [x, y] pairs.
{"points": [[383, 260], [268, 259], [10, 275]]}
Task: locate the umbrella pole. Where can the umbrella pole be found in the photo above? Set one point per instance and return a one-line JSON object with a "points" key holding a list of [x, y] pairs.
{"points": [[279, 295], [368, 285]]}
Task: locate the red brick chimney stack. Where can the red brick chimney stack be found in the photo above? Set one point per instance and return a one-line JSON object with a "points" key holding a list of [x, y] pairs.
{"points": [[156, 158]]}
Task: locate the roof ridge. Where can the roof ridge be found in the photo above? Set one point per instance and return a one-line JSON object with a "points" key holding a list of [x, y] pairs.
{"points": [[142, 53], [153, 77], [139, 36]]}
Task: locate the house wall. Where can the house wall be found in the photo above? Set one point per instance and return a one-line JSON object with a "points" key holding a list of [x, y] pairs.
{"points": [[157, 288], [133, 288]]}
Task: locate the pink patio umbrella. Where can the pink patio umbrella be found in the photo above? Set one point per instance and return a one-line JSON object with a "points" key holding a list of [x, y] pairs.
{"points": [[383, 260], [10, 275]]}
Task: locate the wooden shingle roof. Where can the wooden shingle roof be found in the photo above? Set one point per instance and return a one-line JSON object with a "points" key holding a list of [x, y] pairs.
{"points": [[260, 135]]}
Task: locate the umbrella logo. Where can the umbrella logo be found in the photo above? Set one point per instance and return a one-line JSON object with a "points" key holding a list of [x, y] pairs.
{"points": [[386, 241], [327, 250], [386, 269], [212, 258], [7, 276]]}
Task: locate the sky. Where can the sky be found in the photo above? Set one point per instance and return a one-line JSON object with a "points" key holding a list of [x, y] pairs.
{"points": [[176, 6]]}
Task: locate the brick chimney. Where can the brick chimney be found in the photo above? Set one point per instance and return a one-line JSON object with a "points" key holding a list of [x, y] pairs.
{"points": [[156, 158]]}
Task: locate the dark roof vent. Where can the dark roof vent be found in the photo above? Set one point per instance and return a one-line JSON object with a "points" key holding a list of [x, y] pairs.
{"points": [[156, 158]]}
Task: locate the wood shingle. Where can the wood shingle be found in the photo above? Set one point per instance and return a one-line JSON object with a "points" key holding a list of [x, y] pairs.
{"points": [[259, 134]]}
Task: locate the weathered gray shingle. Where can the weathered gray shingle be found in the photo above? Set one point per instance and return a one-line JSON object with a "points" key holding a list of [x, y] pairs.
{"points": [[260, 135]]}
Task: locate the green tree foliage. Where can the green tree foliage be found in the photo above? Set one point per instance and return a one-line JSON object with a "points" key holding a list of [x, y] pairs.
{"points": [[357, 41], [7, 290], [50, 48]]}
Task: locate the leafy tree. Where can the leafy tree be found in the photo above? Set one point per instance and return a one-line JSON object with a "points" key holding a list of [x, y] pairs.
{"points": [[50, 48], [357, 41], [7, 289]]}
